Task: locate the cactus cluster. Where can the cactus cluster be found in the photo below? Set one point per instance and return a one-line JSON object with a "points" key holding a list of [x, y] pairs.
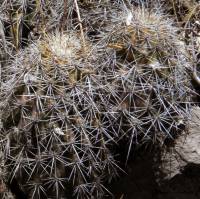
{"points": [[71, 96]]}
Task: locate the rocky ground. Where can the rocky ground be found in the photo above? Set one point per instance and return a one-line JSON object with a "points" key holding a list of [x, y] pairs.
{"points": [[175, 174]]}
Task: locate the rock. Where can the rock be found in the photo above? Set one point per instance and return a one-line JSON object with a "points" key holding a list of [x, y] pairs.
{"points": [[184, 152]]}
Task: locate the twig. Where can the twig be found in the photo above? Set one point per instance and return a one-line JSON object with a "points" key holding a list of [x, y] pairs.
{"points": [[80, 24], [62, 26], [127, 4], [195, 76]]}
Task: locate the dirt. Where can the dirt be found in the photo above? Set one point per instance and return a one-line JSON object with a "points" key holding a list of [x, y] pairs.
{"points": [[140, 182]]}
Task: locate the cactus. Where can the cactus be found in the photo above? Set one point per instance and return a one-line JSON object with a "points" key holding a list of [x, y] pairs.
{"points": [[56, 133], [147, 77]]}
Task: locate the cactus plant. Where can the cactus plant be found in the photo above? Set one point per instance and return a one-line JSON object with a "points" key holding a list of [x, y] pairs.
{"points": [[56, 132], [147, 76]]}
